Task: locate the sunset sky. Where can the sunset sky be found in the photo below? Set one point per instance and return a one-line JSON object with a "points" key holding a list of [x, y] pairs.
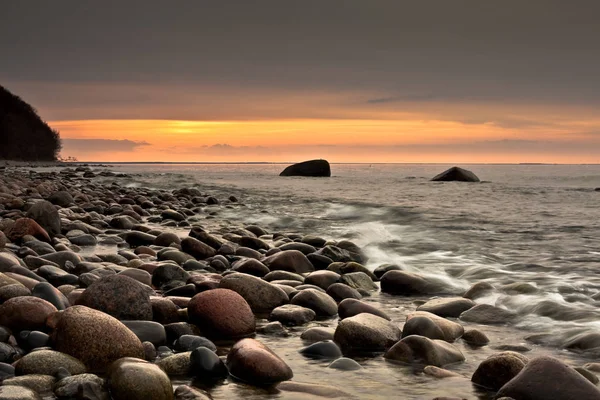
{"points": [[350, 81]]}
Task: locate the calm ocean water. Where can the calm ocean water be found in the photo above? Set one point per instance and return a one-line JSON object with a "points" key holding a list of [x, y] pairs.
{"points": [[534, 224]]}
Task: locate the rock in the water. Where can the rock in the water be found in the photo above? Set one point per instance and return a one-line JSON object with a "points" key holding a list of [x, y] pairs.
{"points": [[120, 296], [475, 337], [548, 378], [47, 362], [345, 364], [422, 326], [325, 349], [456, 174], [487, 314], [95, 338], [496, 370], [260, 295], [206, 364], [25, 313], [185, 392], [422, 350], [407, 283], [351, 307], [452, 330], [298, 390], [366, 333], [321, 303], [130, 378], [313, 168], [222, 314], [290, 314], [339, 292], [317, 334], [251, 361], [446, 307]]}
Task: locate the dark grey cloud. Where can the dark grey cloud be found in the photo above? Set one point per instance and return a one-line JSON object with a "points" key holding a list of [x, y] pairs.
{"points": [[542, 51], [100, 145]]}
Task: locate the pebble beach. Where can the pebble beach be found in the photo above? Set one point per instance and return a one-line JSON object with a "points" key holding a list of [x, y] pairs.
{"points": [[110, 291]]}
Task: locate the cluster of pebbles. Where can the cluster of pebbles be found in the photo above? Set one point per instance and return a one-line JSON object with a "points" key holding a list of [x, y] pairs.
{"points": [[163, 307]]}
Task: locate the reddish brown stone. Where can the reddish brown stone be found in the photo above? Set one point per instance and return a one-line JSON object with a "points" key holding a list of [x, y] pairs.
{"points": [[251, 361], [93, 337], [221, 313], [27, 226], [25, 313]]}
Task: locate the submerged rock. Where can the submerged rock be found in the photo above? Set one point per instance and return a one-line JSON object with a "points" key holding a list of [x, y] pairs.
{"points": [[313, 168], [456, 174]]}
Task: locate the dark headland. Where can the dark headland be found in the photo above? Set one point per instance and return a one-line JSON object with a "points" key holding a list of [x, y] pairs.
{"points": [[24, 136]]}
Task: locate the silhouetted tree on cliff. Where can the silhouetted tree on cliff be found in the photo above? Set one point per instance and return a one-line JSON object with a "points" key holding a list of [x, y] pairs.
{"points": [[23, 134]]}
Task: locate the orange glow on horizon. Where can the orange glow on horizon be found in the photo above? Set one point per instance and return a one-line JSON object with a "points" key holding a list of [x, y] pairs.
{"points": [[339, 140]]}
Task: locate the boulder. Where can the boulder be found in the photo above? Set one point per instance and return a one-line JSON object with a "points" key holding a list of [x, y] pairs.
{"points": [[326, 349], [134, 379], [351, 307], [359, 280], [339, 292], [27, 227], [196, 248], [148, 331], [422, 326], [86, 386], [289, 260], [206, 364], [25, 313], [48, 362], [250, 266], [456, 174], [38, 383], [447, 306], [366, 333], [251, 361], [475, 337], [548, 378], [95, 338], [120, 296], [290, 314], [496, 370], [260, 295], [192, 342], [222, 314], [10, 392], [408, 283], [176, 364], [422, 350], [487, 314], [322, 279], [321, 303], [317, 334], [45, 214], [167, 273], [345, 364], [61, 198], [312, 168], [452, 330]]}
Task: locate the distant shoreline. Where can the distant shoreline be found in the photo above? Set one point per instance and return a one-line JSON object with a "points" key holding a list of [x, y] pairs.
{"points": [[13, 163]]}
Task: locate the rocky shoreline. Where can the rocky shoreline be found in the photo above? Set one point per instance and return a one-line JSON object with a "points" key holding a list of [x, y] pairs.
{"points": [[100, 298]]}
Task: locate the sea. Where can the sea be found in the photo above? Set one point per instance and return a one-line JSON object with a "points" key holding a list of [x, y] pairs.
{"points": [[532, 231]]}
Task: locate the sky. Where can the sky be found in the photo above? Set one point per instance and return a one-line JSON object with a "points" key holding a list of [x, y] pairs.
{"points": [[449, 81]]}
